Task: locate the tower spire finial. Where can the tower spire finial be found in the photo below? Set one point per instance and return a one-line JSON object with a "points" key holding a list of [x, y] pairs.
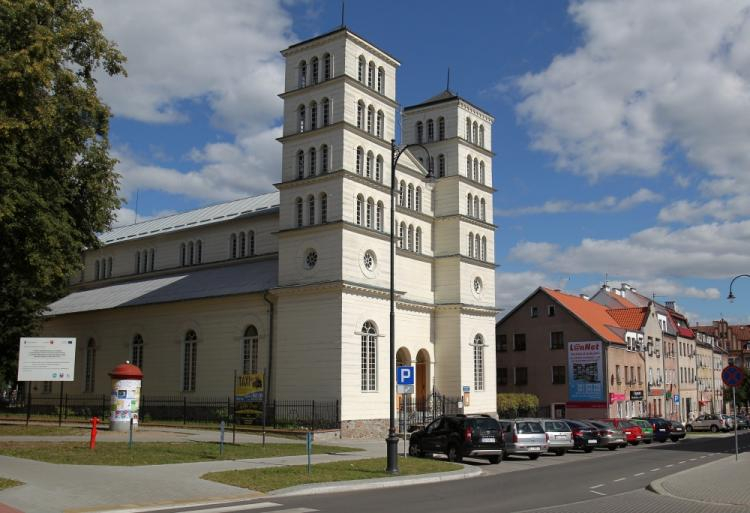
{"points": [[343, 10], [448, 82]]}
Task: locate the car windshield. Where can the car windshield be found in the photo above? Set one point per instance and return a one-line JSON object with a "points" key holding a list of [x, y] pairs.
{"points": [[529, 427], [556, 426], [484, 424]]}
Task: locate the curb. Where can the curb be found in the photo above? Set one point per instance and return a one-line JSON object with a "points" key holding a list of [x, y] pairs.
{"points": [[657, 486], [467, 472]]}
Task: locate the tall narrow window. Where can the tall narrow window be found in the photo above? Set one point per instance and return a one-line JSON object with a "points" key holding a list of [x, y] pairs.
{"points": [[361, 69], [250, 350], [468, 166], [190, 361], [360, 114], [97, 266], [430, 130], [137, 264], [300, 216], [368, 165], [324, 158], [484, 249], [410, 238], [476, 206], [233, 245], [478, 363], [420, 131], [313, 158], [199, 250], [137, 351], [371, 75], [379, 217], [418, 240], [381, 80], [327, 66], [314, 70], [369, 339], [482, 207], [360, 157], [325, 107], [144, 257], [302, 77], [182, 254], [481, 136], [109, 266], [323, 207], [301, 118], [360, 208], [251, 243], [477, 246], [418, 200], [476, 170], [402, 194], [469, 206], [300, 164], [379, 169], [468, 129], [90, 370], [191, 253], [410, 196], [481, 172], [370, 212], [242, 244], [151, 260], [380, 124], [402, 235], [313, 115], [311, 209], [471, 244], [441, 166], [370, 119], [474, 133], [441, 128]]}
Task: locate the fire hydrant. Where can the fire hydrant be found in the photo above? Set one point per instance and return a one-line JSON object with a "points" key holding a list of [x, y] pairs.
{"points": [[92, 442]]}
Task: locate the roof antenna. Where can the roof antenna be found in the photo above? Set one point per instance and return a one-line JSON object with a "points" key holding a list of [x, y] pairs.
{"points": [[136, 206], [448, 82], [343, 10]]}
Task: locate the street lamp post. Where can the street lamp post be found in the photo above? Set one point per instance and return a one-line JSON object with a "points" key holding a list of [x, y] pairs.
{"points": [[731, 296], [392, 440]]}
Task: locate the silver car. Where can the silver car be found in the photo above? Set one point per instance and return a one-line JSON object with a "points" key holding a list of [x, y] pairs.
{"points": [[708, 422], [559, 436], [524, 436]]}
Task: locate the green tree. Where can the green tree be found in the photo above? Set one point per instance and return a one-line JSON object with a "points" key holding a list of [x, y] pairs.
{"points": [[58, 187]]}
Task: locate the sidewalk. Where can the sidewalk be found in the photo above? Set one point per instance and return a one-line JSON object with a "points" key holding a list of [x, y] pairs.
{"points": [[56, 488], [721, 482]]}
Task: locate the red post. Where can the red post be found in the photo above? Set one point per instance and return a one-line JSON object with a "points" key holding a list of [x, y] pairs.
{"points": [[92, 442]]}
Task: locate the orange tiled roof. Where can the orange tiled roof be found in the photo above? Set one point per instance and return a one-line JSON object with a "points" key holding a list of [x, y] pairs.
{"points": [[591, 313], [629, 318]]}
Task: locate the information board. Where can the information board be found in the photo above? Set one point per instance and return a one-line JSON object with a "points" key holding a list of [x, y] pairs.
{"points": [[46, 359]]}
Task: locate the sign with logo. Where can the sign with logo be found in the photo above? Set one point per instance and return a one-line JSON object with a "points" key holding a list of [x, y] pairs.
{"points": [[586, 383], [404, 375], [467, 389], [249, 388], [732, 376], [613, 398], [47, 359], [677, 398], [636, 395]]}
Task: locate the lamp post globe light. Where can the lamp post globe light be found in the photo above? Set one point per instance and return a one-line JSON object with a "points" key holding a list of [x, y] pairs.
{"points": [[731, 296], [392, 440]]}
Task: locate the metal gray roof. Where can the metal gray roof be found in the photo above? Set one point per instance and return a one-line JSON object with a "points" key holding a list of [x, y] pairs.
{"points": [[200, 217], [228, 280]]}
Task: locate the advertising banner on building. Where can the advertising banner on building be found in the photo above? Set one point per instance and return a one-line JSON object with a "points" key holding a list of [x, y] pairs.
{"points": [[586, 373]]}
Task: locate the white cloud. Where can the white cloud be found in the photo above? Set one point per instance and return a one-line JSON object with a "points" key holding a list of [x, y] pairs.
{"points": [[606, 204], [512, 288], [125, 216]]}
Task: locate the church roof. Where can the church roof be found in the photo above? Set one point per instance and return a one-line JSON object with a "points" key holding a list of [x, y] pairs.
{"points": [[227, 280], [192, 218], [444, 96]]}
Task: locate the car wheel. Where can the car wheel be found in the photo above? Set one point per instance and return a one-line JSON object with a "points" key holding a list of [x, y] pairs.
{"points": [[415, 451], [495, 459], [588, 449], [647, 442], [454, 453], [559, 452], [714, 428], [612, 447], [533, 456], [622, 446], [674, 438], [635, 443], [662, 440], [689, 428]]}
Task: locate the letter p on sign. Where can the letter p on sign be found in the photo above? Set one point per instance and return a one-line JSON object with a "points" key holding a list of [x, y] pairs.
{"points": [[405, 375]]}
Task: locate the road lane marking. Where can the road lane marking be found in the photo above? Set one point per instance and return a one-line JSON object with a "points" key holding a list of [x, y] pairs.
{"points": [[654, 469], [681, 462], [598, 493], [596, 486], [219, 509], [702, 457], [692, 459], [618, 480], [669, 466], [638, 474]]}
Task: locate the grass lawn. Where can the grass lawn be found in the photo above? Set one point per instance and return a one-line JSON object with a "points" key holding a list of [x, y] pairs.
{"points": [[267, 479], [22, 430], [151, 453], [8, 483]]}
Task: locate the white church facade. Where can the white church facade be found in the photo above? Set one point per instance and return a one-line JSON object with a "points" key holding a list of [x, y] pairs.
{"points": [[297, 281]]}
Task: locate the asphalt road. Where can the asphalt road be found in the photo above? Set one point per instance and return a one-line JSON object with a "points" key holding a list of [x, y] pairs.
{"points": [[600, 481]]}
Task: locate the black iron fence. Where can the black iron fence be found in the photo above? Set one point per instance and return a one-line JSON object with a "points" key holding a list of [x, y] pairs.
{"points": [[413, 411]]}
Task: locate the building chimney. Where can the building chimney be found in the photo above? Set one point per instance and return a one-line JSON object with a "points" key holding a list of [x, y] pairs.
{"points": [[625, 286], [584, 296], [671, 305]]}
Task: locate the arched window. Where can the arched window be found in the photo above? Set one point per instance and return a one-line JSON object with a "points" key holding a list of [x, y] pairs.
{"points": [[250, 350], [477, 246], [311, 209], [380, 124], [325, 107], [151, 261], [368, 164], [476, 170], [370, 212], [144, 261], [482, 208], [189, 361], [371, 75], [402, 235], [430, 130], [360, 114], [481, 136], [313, 115], [300, 164], [327, 66], [471, 244], [431, 166], [410, 196], [370, 119], [360, 208], [199, 251], [301, 118], [90, 369], [109, 266], [137, 264], [418, 200], [302, 74], [182, 254], [402, 194], [314, 70], [475, 133], [381, 80], [137, 351], [323, 207], [469, 205], [191, 253], [410, 238], [360, 157], [97, 265], [418, 240], [379, 169], [369, 348], [441, 165], [361, 69], [312, 157], [468, 166], [478, 363], [324, 158], [476, 207], [379, 217], [468, 129], [481, 172], [420, 131], [441, 128], [300, 217], [251, 243], [242, 244], [484, 248]]}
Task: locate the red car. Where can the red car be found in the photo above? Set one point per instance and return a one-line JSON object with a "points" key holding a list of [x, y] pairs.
{"points": [[633, 432]]}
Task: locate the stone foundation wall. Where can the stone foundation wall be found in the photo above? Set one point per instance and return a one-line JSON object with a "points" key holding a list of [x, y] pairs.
{"points": [[373, 429]]}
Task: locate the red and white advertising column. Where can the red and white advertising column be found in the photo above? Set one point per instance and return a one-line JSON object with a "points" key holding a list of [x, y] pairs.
{"points": [[126, 396]]}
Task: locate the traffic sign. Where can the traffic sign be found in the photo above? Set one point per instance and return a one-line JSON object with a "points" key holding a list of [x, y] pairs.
{"points": [[404, 375], [677, 398], [732, 376]]}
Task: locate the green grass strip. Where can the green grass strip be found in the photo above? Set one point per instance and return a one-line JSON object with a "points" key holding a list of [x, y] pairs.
{"points": [[8, 483], [32, 430]]}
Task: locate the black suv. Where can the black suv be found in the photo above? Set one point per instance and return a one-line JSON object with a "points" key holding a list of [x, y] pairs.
{"points": [[459, 436]]}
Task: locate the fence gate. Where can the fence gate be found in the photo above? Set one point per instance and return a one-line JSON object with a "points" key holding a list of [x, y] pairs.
{"points": [[420, 412]]}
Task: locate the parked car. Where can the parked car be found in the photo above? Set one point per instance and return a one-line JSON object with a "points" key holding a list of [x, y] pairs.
{"points": [[676, 430], [646, 430], [729, 420], [559, 436], [742, 422], [585, 436], [660, 426], [632, 432], [459, 436], [709, 422], [524, 436], [609, 436]]}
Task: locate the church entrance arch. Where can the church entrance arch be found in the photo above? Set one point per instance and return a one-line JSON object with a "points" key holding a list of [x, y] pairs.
{"points": [[422, 379], [403, 357]]}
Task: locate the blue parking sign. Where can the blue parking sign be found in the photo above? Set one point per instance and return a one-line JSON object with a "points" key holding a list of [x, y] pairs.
{"points": [[677, 398], [404, 375]]}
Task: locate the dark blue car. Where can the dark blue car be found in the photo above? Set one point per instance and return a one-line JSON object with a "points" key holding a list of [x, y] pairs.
{"points": [[661, 427]]}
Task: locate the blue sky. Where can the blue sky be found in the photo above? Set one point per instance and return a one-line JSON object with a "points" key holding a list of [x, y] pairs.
{"points": [[620, 132]]}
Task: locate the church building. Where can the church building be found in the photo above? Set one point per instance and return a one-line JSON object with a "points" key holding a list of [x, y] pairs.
{"points": [[296, 282]]}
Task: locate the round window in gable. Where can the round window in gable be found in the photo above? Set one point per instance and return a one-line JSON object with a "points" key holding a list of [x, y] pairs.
{"points": [[369, 260], [311, 258]]}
